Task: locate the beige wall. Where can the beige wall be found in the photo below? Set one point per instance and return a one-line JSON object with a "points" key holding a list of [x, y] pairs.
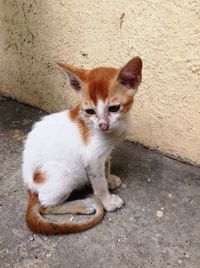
{"points": [[166, 34]]}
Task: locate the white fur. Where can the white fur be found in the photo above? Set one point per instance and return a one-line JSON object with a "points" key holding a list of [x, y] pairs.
{"points": [[56, 148]]}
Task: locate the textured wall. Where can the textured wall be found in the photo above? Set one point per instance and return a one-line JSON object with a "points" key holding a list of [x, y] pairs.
{"points": [[166, 34]]}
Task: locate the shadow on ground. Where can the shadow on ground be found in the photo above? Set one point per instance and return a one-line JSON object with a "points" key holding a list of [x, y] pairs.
{"points": [[157, 227]]}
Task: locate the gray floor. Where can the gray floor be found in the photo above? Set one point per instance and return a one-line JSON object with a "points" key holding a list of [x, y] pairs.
{"points": [[158, 227]]}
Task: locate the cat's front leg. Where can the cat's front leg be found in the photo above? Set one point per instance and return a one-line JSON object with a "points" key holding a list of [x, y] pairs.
{"points": [[96, 172], [113, 180]]}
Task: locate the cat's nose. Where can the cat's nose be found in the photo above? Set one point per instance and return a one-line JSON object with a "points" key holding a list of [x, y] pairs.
{"points": [[104, 126]]}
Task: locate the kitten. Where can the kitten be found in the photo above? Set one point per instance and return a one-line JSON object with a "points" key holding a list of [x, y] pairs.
{"points": [[66, 150]]}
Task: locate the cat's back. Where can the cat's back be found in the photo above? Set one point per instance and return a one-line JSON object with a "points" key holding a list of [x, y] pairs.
{"points": [[54, 147], [52, 137], [53, 125]]}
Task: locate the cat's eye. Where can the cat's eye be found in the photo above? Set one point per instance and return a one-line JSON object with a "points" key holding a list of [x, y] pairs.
{"points": [[114, 108], [90, 111]]}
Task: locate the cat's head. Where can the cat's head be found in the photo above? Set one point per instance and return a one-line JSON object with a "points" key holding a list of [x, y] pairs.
{"points": [[106, 94]]}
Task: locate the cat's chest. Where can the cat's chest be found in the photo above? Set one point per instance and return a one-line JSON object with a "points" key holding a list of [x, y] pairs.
{"points": [[98, 147]]}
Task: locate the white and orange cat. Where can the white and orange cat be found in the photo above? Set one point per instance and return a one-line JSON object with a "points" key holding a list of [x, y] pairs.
{"points": [[69, 149]]}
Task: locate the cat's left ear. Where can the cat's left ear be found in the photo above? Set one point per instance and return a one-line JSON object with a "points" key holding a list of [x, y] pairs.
{"points": [[130, 75], [77, 76]]}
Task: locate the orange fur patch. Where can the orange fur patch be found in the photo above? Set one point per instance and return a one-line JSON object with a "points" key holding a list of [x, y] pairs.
{"points": [[30, 215], [127, 105], [84, 130], [38, 177], [74, 112], [99, 80], [120, 95]]}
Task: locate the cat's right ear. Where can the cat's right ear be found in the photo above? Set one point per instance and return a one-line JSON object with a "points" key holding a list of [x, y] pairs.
{"points": [[77, 76]]}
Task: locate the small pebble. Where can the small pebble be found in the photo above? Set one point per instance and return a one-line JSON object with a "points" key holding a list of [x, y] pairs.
{"points": [[159, 213], [32, 238], [170, 195]]}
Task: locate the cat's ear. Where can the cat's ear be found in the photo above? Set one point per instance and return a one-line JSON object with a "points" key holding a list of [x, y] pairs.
{"points": [[77, 76], [130, 75]]}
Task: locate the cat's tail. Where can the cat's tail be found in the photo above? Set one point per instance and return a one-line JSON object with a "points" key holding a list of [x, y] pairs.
{"points": [[38, 224]]}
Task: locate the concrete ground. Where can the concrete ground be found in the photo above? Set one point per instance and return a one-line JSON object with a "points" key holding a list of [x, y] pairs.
{"points": [[158, 227]]}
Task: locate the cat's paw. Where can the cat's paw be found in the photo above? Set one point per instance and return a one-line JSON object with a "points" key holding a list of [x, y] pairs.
{"points": [[112, 202], [113, 182]]}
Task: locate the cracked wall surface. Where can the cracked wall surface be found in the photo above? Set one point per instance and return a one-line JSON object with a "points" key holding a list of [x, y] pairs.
{"points": [[166, 34]]}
